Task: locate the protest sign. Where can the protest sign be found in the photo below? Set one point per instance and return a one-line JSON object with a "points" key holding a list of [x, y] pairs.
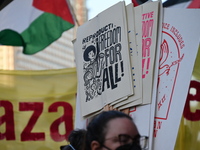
{"points": [[146, 27], [103, 61], [136, 70], [173, 55], [150, 24], [143, 115], [177, 56]]}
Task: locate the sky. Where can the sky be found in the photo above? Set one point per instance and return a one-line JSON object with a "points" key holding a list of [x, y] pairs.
{"points": [[97, 6]]}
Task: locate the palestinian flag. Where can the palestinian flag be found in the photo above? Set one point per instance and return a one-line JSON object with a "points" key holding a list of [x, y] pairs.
{"points": [[174, 3], [182, 3], [33, 24]]}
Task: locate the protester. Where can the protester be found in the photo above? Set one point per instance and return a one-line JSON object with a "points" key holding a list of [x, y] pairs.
{"points": [[113, 130], [76, 139]]}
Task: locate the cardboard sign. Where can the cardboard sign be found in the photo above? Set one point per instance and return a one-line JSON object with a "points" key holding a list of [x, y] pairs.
{"points": [[136, 98], [178, 51], [164, 89], [103, 61], [150, 13]]}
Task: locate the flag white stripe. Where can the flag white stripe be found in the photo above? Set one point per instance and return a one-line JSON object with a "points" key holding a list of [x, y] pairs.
{"points": [[18, 15]]}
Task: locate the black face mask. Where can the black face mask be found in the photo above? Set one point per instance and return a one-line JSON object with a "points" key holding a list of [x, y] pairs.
{"points": [[129, 147]]}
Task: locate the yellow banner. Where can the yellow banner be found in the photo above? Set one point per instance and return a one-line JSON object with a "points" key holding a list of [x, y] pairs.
{"points": [[37, 108], [189, 131]]}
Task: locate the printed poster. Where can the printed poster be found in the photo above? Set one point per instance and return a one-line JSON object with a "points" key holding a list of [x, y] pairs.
{"points": [[176, 56], [103, 60], [178, 51], [136, 75], [150, 13], [146, 28], [143, 115]]}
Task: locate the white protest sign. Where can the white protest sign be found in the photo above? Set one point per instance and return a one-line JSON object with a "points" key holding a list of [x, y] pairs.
{"points": [[103, 61], [136, 75], [146, 25], [150, 13], [179, 47]]}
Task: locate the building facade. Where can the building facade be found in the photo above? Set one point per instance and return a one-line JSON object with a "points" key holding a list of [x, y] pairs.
{"points": [[58, 55]]}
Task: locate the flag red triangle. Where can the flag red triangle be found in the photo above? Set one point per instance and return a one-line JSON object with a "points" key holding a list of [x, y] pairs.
{"points": [[58, 7]]}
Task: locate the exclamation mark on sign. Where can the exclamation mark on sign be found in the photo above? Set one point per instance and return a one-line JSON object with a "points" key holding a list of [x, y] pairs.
{"points": [[148, 64], [143, 68], [122, 68]]}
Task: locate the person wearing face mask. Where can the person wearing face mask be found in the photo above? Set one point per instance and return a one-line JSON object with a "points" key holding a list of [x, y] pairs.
{"points": [[114, 130]]}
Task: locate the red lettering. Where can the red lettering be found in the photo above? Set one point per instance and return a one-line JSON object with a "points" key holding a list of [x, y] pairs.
{"points": [[161, 102], [147, 15], [154, 126], [146, 43], [165, 25], [8, 119], [155, 133], [37, 108], [192, 97], [147, 28], [159, 125], [67, 118]]}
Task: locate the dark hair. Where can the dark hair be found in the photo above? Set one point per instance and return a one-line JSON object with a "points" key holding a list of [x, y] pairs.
{"points": [[96, 129], [86, 52], [65, 147], [76, 139]]}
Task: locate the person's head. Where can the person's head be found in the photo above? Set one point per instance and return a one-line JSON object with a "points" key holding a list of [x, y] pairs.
{"points": [[111, 130], [76, 139], [90, 53]]}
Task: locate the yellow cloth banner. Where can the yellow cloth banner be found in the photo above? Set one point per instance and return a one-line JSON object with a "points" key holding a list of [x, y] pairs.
{"points": [[189, 131], [37, 108]]}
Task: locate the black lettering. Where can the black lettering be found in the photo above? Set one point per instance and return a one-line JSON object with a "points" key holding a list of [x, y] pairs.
{"points": [[117, 79], [113, 85], [112, 55], [118, 48], [106, 56], [105, 79]]}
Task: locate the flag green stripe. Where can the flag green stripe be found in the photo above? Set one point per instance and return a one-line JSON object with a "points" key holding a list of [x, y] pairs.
{"points": [[10, 37], [43, 31]]}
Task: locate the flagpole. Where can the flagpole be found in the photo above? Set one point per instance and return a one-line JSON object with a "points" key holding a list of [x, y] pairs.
{"points": [[72, 11]]}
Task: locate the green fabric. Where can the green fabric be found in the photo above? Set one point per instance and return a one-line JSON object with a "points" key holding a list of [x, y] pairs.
{"points": [[43, 31], [10, 37]]}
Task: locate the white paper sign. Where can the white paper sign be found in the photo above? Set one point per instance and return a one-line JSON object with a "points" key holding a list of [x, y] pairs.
{"points": [[103, 61], [179, 47], [136, 69]]}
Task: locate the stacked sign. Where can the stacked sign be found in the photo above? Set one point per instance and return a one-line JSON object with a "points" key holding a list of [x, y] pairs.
{"points": [[138, 58], [115, 59], [103, 61]]}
